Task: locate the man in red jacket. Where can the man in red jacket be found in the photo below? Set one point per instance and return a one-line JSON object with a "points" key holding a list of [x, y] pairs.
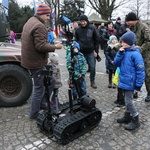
{"points": [[34, 51]]}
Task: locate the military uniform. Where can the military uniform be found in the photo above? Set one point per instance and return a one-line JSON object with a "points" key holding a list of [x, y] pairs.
{"points": [[142, 32]]}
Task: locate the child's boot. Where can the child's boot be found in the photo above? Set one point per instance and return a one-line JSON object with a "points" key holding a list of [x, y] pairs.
{"points": [[133, 124], [135, 95], [125, 119], [110, 85]]}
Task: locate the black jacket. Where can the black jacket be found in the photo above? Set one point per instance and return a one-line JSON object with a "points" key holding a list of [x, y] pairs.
{"points": [[88, 38], [104, 35]]}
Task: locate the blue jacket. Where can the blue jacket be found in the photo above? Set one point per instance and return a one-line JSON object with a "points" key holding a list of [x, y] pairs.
{"points": [[132, 69], [51, 37]]}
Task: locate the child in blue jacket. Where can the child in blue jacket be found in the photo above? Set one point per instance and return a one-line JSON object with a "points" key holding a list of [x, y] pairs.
{"points": [[131, 77]]}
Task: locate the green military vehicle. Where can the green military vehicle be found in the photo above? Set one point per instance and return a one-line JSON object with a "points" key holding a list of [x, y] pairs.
{"points": [[15, 81], [4, 25]]}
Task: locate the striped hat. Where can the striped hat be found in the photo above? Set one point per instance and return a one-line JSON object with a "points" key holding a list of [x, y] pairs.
{"points": [[43, 9]]}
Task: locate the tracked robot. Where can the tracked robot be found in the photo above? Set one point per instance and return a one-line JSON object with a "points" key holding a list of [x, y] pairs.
{"points": [[71, 119]]}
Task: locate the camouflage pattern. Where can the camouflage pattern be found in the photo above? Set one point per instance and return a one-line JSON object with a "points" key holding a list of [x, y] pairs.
{"points": [[142, 32]]}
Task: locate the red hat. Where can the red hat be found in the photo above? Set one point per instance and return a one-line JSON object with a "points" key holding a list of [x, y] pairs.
{"points": [[43, 9]]}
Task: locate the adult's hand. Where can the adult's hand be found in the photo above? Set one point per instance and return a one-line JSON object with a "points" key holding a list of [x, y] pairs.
{"points": [[58, 45], [95, 54]]}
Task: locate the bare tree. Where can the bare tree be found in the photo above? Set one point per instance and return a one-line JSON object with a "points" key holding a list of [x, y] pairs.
{"points": [[140, 7], [106, 7]]}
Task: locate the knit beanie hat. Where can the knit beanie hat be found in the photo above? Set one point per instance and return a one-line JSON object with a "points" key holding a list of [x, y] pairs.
{"points": [[43, 9], [54, 58], [118, 18], [111, 38], [131, 17], [84, 17], [75, 44], [129, 38]]}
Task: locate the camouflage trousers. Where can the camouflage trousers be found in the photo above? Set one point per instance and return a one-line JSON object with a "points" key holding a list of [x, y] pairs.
{"points": [[146, 57]]}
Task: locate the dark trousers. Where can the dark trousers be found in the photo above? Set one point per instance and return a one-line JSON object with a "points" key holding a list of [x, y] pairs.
{"points": [[38, 94], [110, 75], [79, 88], [120, 95]]}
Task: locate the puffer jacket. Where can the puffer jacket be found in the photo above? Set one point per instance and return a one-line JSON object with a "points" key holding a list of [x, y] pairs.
{"points": [[132, 69], [35, 47]]}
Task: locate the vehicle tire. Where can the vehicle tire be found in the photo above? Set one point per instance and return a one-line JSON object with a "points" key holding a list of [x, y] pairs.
{"points": [[15, 85]]}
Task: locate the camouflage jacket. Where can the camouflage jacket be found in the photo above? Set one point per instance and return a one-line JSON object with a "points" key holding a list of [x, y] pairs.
{"points": [[142, 33], [76, 65]]}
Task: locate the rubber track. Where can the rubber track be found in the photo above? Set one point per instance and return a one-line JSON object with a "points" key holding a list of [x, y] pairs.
{"points": [[69, 122]]}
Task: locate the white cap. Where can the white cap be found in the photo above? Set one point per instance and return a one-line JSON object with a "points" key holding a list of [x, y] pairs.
{"points": [[54, 58]]}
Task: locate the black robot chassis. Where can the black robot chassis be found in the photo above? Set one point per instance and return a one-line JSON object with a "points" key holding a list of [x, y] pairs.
{"points": [[69, 124]]}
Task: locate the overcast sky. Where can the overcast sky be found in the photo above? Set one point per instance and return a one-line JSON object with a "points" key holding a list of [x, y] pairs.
{"points": [[120, 12]]}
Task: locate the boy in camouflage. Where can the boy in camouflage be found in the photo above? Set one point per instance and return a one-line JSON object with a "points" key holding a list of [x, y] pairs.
{"points": [[76, 65]]}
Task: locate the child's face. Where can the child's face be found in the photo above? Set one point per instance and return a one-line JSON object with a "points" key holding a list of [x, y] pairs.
{"points": [[75, 50], [114, 41], [124, 45]]}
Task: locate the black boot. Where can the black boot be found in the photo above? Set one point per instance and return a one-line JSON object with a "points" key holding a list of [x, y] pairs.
{"points": [[135, 95], [121, 103], [147, 99], [125, 119], [133, 124]]}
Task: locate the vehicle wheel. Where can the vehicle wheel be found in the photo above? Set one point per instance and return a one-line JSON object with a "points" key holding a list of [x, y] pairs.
{"points": [[15, 85]]}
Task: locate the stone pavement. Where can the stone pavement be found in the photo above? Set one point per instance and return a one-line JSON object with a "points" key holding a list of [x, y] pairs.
{"points": [[18, 132]]}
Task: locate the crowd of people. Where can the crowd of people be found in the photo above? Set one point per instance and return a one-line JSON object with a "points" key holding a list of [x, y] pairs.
{"points": [[126, 47]]}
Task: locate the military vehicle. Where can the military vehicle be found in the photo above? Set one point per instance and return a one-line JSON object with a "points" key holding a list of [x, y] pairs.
{"points": [[4, 24], [15, 81]]}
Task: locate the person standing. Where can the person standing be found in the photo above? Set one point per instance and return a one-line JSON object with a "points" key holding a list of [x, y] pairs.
{"points": [[142, 33], [12, 36], [76, 65], [110, 55], [88, 38], [110, 28], [131, 77], [54, 62], [104, 36], [34, 54], [117, 26]]}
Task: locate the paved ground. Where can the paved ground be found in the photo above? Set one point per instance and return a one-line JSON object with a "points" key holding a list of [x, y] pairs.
{"points": [[18, 132]]}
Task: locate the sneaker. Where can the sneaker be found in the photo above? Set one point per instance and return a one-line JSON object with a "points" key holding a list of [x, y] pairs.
{"points": [[109, 85], [114, 86], [93, 85], [147, 99]]}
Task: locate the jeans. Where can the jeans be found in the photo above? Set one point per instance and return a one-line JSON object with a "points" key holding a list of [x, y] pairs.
{"points": [[38, 94], [79, 88], [129, 103], [92, 65]]}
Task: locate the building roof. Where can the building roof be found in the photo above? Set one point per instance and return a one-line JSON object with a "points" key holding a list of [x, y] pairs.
{"points": [[94, 18]]}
